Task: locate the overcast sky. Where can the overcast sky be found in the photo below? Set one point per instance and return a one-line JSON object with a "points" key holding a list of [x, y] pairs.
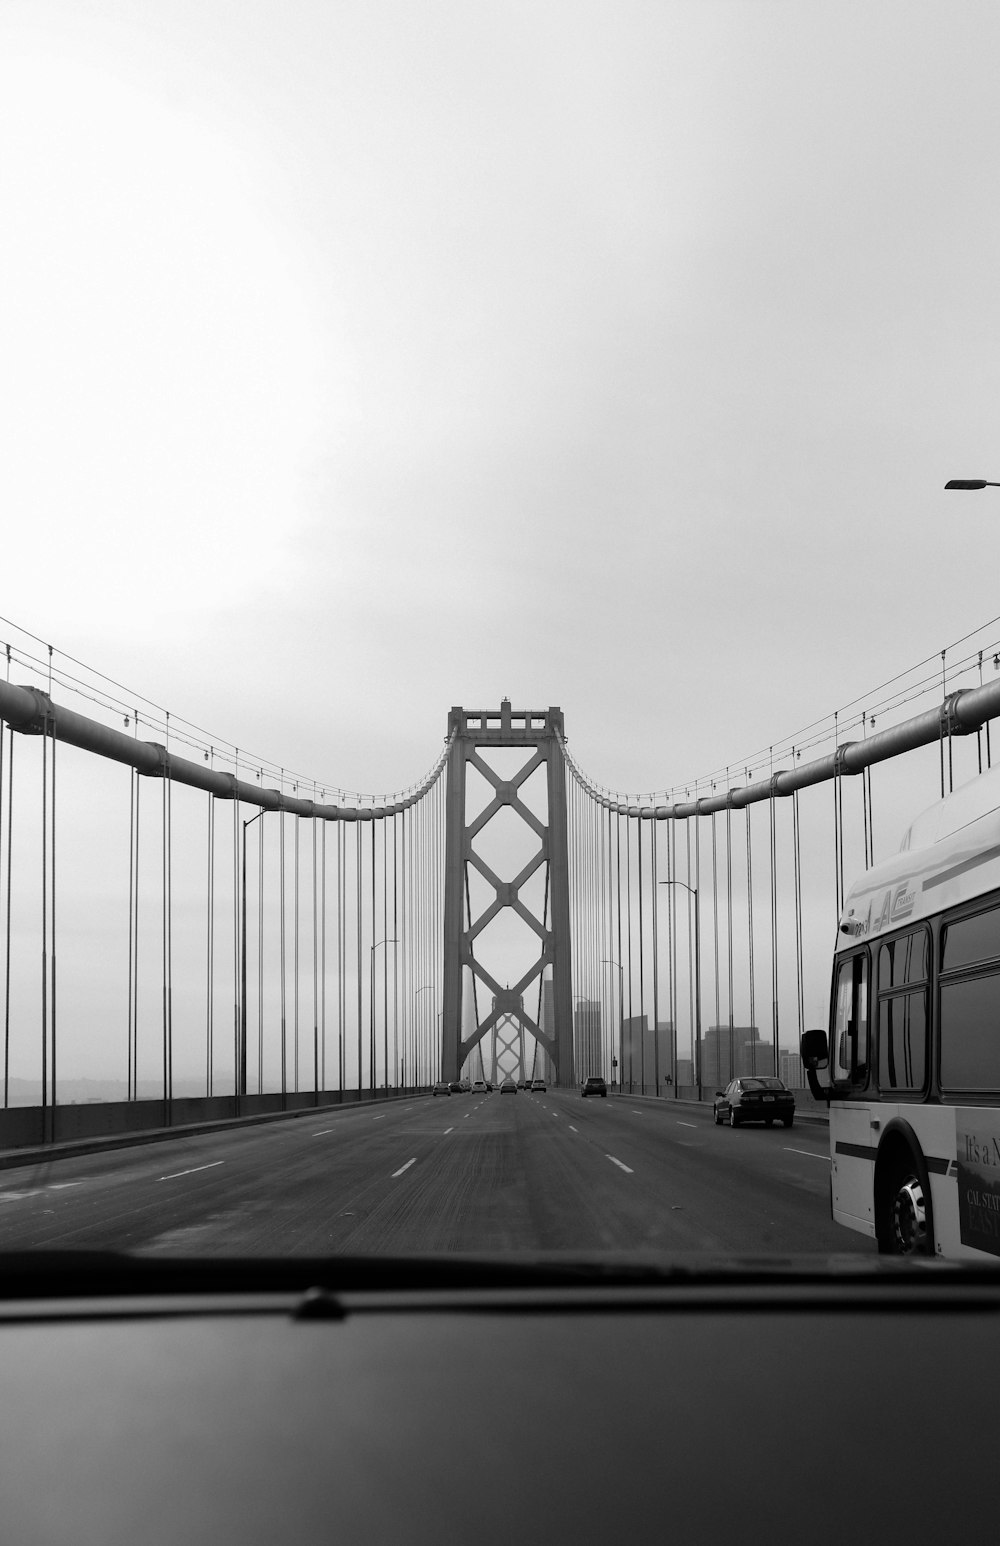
{"points": [[362, 359]]}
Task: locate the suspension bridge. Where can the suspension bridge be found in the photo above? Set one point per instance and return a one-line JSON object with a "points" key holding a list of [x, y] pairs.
{"points": [[208, 937]]}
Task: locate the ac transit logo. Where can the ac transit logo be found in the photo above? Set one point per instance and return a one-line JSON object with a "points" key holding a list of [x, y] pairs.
{"points": [[896, 905]]}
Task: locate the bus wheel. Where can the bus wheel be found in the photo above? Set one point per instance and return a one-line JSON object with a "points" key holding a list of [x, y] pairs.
{"points": [[907, 1233]]}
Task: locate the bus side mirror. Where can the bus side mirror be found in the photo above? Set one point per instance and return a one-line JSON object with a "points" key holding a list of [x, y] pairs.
{"points": [[815, 1050]]}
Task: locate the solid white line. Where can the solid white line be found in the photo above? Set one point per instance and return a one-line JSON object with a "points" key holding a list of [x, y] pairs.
{"points": [[686, 1124], [399, 1172], [811, 1153], [619, 1164], [191, 1172]]}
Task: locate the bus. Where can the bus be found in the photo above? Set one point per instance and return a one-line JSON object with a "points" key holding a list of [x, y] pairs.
{"points": [[910, 1064]]}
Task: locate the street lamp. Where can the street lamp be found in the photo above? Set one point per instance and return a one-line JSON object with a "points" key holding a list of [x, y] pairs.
{"points": [[372, 1010], [693, 891], [427, 987], [968, 483], [242, 1075], [608, 961]]}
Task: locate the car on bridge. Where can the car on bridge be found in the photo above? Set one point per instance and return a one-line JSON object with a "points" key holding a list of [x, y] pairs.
{"points": [[538, 1084], [509, 1087], [594, 1085], [441, 1088], [760, 1098], [479, 1087]]}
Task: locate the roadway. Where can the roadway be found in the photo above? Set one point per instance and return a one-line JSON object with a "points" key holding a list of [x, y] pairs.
{"points": [[489, 1174]]}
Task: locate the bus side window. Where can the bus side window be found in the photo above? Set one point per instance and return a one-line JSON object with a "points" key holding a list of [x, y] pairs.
{"points": [[850, 1025]]}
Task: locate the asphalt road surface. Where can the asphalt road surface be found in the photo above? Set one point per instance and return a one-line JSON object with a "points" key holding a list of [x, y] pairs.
{"points": [[488, 1174]]}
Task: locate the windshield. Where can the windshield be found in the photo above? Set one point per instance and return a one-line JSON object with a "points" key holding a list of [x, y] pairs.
{"points": [[479, 615]]}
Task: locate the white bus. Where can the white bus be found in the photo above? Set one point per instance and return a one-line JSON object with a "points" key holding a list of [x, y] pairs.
{"points": [[912, 1059]]}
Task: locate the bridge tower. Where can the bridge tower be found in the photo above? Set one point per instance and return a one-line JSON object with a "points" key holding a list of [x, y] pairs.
{"points": [[472, 735]]}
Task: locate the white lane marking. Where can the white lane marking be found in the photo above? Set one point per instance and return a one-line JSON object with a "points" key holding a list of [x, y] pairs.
{"points": [[468, 1115], [448, 1130], [60, 1186], [18, 1196], [572, 1128], [379, 1119], [618, 1162], [323, 1132], [173, 1176], [399, 1172], [686, 1124], [634, 1112], [811, 1153]]}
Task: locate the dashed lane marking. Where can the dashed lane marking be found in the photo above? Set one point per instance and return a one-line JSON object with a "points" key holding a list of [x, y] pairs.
{"points": [[174, 1175], [379, 1119], [323, 1132], [687, 1124], [571, 1127], [448, 1130], [399, 1172], [627, 1169]]}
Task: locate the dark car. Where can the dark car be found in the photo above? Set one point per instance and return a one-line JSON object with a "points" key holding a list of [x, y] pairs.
{"points": [[761, 1098], [508, 1087], [593, 1085], [456, 1088], [441, 1088]]}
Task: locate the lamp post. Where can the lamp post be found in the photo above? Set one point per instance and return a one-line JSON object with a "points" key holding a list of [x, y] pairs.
{"points": [[427, 987], [372, 1016], [609, 961], [693, 891], [242, 1073]]}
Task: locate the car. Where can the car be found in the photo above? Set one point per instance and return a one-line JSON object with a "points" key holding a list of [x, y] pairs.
{"points": [[455, 1087], [508, 1087], [521, 1084], [479, 1087], [441, 1088], [754, 1098], [538, 1084], [593, 1085]]}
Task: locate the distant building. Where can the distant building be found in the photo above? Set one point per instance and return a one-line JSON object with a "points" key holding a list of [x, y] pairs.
{"points": [[685, 1072], [728, 1054], [645, 1054], [587, 1048], [791, 1070]]}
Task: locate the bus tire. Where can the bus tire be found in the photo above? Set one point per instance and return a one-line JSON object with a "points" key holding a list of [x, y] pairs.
{"points": [[904, 1224]]}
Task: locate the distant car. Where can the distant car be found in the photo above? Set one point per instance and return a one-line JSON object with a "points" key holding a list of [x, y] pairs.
{"points": [[593, 1085], [521, 1084], [759, 1099], [489, 1085], [538, 1084], [479, 1087], [441, 1088], [508, 1087], [465, 1086], [455, 1087]]}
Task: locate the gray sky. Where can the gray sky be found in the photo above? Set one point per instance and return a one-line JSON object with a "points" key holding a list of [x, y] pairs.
{"points": [[360, 359]]}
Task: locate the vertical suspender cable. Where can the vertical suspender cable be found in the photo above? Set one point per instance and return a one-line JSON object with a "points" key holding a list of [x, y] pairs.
{"points": [[322, 968], [752, 986], [210, 952], [357, 866], [295, 954], [656, 963], [315, 948], [642, 1001], [774, 927], [283, 996], [729, 915], [715, 945], [238, 1085], [797, 842], [260, 956]]}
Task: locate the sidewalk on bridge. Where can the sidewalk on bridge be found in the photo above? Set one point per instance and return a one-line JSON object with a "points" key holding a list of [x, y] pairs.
{"points": [[75, 1148], [818, 1116]]}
